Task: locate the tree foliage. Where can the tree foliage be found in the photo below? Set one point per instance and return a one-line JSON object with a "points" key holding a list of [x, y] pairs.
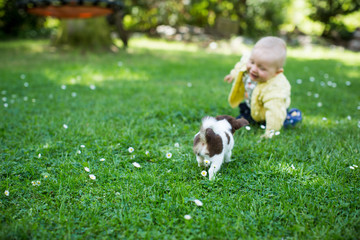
{"points": [[14, 22], [328, 11], [254, 17]]}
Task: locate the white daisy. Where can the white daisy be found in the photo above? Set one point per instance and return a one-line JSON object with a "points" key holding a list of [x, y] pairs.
{"points": [[168, 155], [198, 202], [87, 169], [204, 173], [39, 155], [136, 165], [248, 128], [38, 183], [187, 217], [92, 176], [207, 163], [65, 126], [147, 153], [351, 167], [262, 126], [6, 192], [177, 145], [131, 149], [82, 146], [78, 152], [102, 159]]}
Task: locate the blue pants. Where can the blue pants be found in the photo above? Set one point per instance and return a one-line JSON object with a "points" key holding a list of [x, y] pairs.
{"points": [[293, 117]]}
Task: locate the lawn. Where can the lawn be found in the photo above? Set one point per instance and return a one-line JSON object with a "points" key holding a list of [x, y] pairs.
{"points": [[74, 125]]}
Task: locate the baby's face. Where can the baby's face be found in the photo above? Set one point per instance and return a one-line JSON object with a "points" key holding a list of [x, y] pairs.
{"points": [[261, 67]]}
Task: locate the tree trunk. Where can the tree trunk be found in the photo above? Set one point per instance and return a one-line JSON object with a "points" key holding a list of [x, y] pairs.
{"points": [[93, 33]]}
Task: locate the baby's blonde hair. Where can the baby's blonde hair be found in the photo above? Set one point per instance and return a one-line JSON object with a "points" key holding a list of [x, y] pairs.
{"points": [[274, 46]]}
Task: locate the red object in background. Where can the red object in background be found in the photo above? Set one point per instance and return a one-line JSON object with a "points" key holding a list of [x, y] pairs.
{"points": [[70, 11]]}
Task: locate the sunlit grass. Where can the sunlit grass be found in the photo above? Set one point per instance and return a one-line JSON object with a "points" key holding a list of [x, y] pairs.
{"points": [[99, 146]]}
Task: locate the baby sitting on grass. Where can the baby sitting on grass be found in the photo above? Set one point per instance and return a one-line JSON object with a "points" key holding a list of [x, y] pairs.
{"points": [[261, 90]]}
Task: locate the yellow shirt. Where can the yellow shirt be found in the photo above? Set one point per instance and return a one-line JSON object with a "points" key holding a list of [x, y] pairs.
{"points": [[269, 101]]}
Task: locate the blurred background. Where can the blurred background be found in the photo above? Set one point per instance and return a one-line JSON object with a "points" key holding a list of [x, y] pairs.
{"points": [[300, 22]]}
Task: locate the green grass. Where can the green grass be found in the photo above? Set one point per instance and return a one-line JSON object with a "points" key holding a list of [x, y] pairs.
{"points": [[298, 185]]}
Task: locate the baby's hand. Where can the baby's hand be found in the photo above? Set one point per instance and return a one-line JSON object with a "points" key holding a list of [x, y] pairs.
{"points": [[228, 78]]}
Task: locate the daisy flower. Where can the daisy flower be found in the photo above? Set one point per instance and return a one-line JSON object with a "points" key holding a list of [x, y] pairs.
{"points": [[204, 173], [131, 149], [102, 159], [177, 145], [187, 217], [136, 165], [82, 146], [351, 167], [33, 183], [248, 128], [6, 192], [38, 183], [65, 126], [207, 163], [198, 202], [92, 176], [147, 153], [78, 152], [87, 169], [168, 155]]}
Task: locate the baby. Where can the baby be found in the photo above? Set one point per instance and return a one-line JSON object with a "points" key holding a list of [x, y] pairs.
{"points": [[261, 84]]}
